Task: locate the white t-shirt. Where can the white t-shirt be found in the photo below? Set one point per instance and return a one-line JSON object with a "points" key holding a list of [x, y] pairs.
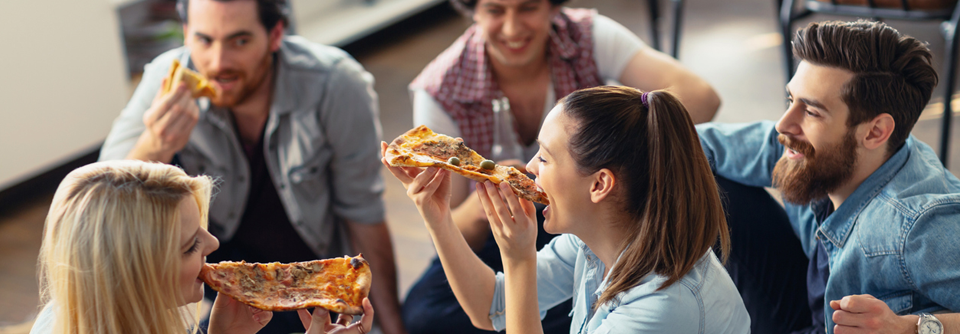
{"points": [[613, 47]]}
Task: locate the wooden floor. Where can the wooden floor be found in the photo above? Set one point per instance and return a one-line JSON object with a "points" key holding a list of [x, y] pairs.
{"points": [[733, 44]]}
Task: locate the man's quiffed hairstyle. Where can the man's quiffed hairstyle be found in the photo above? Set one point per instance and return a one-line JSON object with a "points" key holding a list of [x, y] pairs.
{"points": [[271, 12], [893, 73], [467, 7]]}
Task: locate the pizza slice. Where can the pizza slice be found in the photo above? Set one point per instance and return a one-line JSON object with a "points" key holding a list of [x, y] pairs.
{"points": [[421, 147], [198, 84], [338, 284]]}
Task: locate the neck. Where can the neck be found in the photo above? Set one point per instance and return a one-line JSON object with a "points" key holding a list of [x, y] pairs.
{"points": [[868, 164], [505, 74], [251, 114], [605, 242]]}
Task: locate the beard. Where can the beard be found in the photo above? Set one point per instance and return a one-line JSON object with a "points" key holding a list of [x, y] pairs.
{"points": [[249, 82], [818, 172]]}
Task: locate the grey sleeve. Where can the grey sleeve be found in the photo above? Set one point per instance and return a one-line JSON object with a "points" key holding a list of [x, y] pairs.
{"points": [[129, 125], [350, 117]]}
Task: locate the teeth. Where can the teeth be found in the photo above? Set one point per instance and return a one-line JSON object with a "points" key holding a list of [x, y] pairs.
{"points": [[515, 45]]}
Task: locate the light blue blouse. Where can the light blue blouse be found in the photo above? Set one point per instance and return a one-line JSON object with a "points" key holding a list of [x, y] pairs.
{"points": [[703, 301]]}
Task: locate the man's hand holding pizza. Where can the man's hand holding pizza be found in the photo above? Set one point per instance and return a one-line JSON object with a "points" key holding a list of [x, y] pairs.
{"points": [[169, 122]]}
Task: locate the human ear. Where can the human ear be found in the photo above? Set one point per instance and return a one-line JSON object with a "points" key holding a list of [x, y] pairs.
{"points": [[602, 186], [276, 36], [877, 131]]}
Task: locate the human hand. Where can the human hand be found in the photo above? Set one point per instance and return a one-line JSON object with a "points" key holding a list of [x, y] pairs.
{"points": [[230, 316], [319, 322], [428, 188], [169, 122], [866, 314], [512, 220]]}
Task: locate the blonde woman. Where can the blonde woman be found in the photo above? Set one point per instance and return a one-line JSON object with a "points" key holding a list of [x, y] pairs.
{"points": [[633, 196], [123, 245]]}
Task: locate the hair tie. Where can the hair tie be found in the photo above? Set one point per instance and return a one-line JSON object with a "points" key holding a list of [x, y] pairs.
{"points": [[643, 99]]}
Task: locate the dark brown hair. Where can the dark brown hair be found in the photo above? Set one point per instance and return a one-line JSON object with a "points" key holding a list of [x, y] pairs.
{"points": [[665, 187], [893, 73], [271, 12], [466, 7]]}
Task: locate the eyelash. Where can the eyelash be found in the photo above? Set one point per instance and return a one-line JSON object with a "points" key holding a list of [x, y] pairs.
{"points": [[541, 159], [808, 112], [196, 245]]}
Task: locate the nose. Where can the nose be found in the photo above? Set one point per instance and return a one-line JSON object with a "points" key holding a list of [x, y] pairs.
{"points": [[532, 167], [511, 25], [789, 123], [213, 243], [218, 57]]}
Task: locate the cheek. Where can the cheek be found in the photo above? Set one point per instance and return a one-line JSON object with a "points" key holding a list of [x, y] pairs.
{"points": [[190, 268]]}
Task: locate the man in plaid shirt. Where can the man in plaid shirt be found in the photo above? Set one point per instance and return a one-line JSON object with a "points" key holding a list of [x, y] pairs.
{"points": [[520, 57]]}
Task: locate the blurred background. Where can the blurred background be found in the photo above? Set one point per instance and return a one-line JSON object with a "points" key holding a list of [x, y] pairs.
{"points": [[71, 65]]}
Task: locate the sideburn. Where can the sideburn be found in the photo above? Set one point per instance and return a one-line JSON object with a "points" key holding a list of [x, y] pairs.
{"points": [[816, 175]]}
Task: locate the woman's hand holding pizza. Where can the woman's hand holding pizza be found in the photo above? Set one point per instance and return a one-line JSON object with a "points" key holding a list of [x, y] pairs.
{"points": [[512, 220], [230, 316], [429, 188], [319, 321]]}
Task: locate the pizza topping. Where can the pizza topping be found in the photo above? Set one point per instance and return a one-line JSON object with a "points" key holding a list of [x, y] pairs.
{"points": [[337, 284], [421, 147], [488, 164]]}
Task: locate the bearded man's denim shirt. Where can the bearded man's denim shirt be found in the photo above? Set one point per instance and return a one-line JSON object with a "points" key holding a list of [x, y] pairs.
{"points": [[895, 237]]}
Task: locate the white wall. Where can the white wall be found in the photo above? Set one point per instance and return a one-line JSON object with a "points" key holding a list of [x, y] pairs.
{"points": [[62, 82]]}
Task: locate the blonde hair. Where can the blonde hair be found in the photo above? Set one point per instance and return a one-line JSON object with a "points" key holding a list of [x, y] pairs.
{"points": [[110, 257]]}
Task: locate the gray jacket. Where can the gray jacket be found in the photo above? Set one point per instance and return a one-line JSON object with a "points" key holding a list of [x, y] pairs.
{"points": [[321, 143]]}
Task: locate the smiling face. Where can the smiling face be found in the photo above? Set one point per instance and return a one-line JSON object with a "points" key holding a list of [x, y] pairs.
{"points": [[195, 244], [557, 175], [229, 45], [516, 31], [821, 150]]}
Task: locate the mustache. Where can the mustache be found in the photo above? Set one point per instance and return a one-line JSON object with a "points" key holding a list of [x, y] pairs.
{"points": [[797, 145]]}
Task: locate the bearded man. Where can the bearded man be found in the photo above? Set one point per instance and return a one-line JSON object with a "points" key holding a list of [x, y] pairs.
{"points": [[874, 210], [293, 135]]}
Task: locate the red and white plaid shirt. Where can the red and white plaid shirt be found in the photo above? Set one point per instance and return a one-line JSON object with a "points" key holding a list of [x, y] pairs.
{"points": [[461, 81]]}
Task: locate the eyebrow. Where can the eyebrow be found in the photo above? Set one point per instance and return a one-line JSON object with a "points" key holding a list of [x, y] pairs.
{"points": [[544, 147], [815, 104], [810, 102], [521, 4], [242, 33]]}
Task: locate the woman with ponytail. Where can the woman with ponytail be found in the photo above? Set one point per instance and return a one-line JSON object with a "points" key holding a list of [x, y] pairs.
{"points": [[638, 209]]}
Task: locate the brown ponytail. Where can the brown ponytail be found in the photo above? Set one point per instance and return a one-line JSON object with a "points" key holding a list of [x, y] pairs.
{"points": [[667, 187]]}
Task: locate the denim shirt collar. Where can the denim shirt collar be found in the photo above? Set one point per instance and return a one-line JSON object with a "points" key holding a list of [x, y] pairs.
{"points": [[836, 228], [601, 267]]}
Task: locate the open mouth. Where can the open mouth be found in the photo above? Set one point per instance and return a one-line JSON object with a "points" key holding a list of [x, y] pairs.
{"points": [[516, 46]]}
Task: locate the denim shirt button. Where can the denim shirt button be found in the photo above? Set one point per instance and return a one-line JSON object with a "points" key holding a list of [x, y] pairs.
{"points": [[296, 177]]}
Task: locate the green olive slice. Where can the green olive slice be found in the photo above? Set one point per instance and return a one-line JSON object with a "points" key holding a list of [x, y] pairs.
{"points": [[488, 164]]}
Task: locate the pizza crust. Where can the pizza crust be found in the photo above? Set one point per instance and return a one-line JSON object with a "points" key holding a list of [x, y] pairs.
{"points": [[421, 147], [338, 284]]}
